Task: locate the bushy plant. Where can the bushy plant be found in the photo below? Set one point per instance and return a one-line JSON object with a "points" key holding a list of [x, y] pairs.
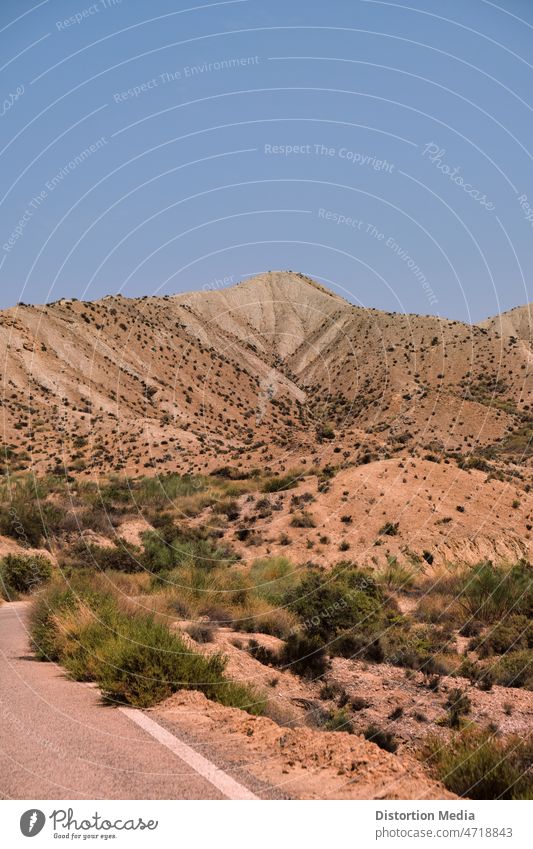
{"points": [[123, 557], [458, 705], [272, 577], [26, 516], [281, 483], [339, 720], [345, 609], [303, 519], [514, 669], [488, 592], [389, 529], [512, 633], [304, 655], [172, 548], [477, 765], [22, 573], [134, 658]]}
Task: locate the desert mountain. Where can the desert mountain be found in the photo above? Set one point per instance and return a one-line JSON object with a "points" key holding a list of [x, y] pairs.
{"points": [[275, 371], [517, 322]]}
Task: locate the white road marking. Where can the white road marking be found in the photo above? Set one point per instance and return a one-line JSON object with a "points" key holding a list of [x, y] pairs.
{"points": [[219, 779]]}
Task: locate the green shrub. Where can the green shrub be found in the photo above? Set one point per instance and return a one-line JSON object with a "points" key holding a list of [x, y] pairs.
{"points": [[422, 648], [476, 765], [176, 547], [325, 431], [123, 557], [458, 705], [272, 577], [513, 633], [134, 658], [280, 484], [304, 655], [488, 592], [160, 492], [21, 573], [395, 576], [26, 518], [339, 720], [514, 669], [345, 609], [481, 676], [261, 653]]}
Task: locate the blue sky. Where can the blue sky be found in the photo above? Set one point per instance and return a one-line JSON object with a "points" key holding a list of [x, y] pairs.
{"points": [[380, 147]]}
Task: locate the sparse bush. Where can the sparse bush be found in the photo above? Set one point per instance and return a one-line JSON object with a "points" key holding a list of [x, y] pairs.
{"points": [[178, 547], [358, 703], [339, 720], [488, 592], [389, 529], [396, 576], [265, 656], [304, 655], [228, 507], [476, 765], [513, 633], [325, 431], [458, 705], [120, 558], [438, 608], [272, 577], [26, 516], [280, 484], [330, 690], [134, 658], [382, 738], [22, 573], [303, 520], [481, 676], [514, 669]]}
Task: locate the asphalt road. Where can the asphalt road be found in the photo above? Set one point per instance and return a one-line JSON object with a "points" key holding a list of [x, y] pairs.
{"points": [[57, 741]]}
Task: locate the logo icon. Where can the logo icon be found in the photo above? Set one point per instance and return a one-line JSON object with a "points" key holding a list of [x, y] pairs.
{"points": [[32, 822]]}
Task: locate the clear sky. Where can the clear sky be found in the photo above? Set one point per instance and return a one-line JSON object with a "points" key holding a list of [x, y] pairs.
{"points": [[381, 147]]}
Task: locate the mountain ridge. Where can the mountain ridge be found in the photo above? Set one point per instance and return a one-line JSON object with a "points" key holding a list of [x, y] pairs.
{"points": [[253, 373]]}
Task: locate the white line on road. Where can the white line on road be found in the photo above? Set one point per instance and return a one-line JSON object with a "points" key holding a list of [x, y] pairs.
{"points": [[221, 780]]}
